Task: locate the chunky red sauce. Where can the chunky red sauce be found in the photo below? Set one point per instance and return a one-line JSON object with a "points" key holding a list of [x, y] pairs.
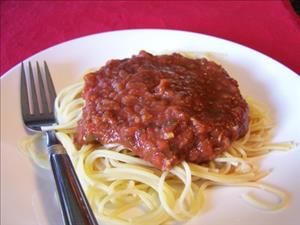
{"points": [[165, 108]]}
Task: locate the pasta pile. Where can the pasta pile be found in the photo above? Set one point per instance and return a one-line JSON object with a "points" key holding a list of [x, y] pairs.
{"points": [[124, 189]]}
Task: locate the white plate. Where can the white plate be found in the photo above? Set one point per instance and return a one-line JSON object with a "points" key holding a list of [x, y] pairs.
{"points": [[27, 192]]}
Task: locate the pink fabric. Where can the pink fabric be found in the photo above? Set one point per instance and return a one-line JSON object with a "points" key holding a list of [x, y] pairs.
{"points": [[270, 27]]}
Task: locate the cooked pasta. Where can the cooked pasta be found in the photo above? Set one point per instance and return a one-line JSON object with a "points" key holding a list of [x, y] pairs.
{"points": [[124, 189]]}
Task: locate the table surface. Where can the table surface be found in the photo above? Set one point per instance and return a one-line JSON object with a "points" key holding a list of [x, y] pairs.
{"points": [[269, 26]]}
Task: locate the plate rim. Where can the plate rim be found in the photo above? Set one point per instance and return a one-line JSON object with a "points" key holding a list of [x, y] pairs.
{"points": [[133, 30]]}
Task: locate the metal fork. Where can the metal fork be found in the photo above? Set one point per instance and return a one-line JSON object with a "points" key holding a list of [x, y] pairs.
{"points": [[74, 205]]}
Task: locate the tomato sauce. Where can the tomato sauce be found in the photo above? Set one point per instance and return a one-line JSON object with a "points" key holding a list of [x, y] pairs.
{"points": [[165, 108]]}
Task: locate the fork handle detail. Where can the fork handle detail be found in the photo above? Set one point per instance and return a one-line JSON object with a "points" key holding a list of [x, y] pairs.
{"points": [[75, 207]]}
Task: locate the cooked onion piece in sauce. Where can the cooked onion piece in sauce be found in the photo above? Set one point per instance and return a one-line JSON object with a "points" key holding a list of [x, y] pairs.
{"points": [[126, 185]]}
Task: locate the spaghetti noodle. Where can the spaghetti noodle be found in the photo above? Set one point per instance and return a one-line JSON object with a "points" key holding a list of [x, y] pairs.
{"points": [[117, 182]]}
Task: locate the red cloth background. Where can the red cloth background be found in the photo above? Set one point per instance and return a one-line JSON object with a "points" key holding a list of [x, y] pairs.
{"points": [[271, 27]]}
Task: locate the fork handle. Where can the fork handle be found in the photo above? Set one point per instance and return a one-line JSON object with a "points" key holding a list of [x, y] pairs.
{"points": [[75, 207]]}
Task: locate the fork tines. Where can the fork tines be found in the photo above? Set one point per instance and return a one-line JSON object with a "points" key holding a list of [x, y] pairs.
{"points": [[42, 92]]}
